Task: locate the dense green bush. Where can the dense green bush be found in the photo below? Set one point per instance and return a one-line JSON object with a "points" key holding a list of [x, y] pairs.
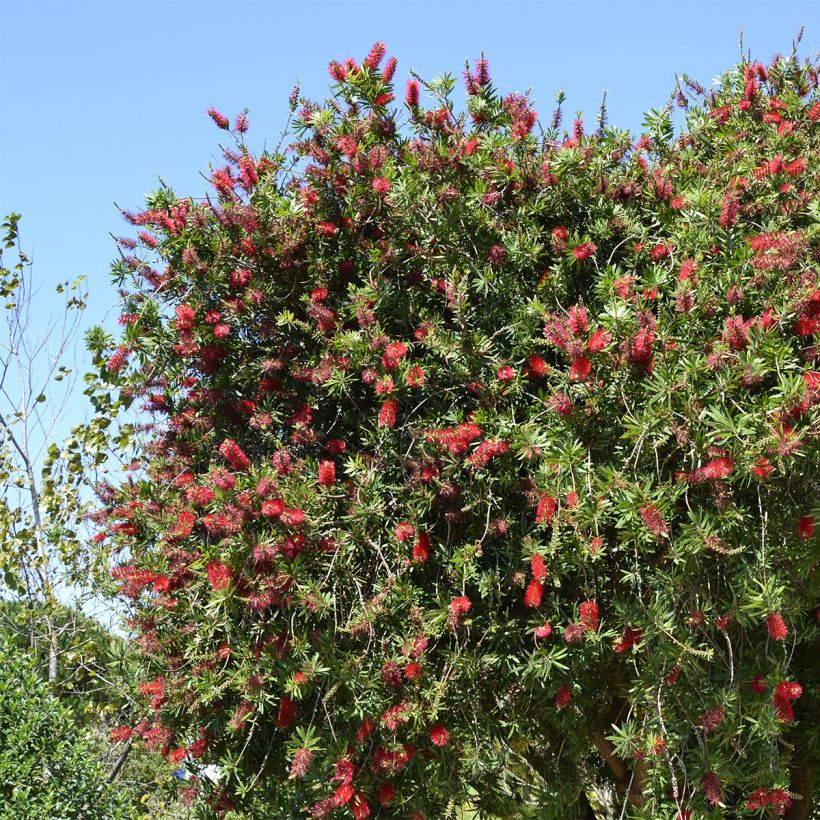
{"points": [[483, 464], [48, 770]]}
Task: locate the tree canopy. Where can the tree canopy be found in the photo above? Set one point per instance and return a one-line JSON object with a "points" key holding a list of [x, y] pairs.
{"points": [[482, 461]]}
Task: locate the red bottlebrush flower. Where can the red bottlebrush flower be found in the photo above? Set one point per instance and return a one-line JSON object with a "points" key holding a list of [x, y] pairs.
{"points": [[184, 525], [711, 719], [459, 607], [776, 626], [711, 788], [563, 698], [584, 251], [396, 715], [688, 270], [758, 684], [327, 473], [654, 521], [415, 377], [198, 747], [731, 208], [543, 631], [580, 369], [273, 507], [539, 567], [337, 71], [672, 678], [573, 633], [287, 711], [716, 469], [546, 510], [326, 229], [783, 708], [536, 367], [300, 764], [162, 584], [381, 185], [589, 616], [412, 94], [797, 167], [788, 690], [387, 794], [560, 233], [763, 468], [421, 549], [343, 795], [723, 621], [393, 354], [404, 531], [389, 70], [117, 360], [392, 675], [359, 807], [220, 119], [335, 446], [177, 755], [234, 455], [598, 341], [578, 321], [439, 736], [293, 517], [497, 255], [412, 671], [486, 451], [534, 593], [365, 730], [805, 526], [219, 575], [388, 414], [186, 316], [761, 798], [736, 333], [659, 251], [121, 733], [505, 373], [630, 638], [375, 56], [482, 71]]}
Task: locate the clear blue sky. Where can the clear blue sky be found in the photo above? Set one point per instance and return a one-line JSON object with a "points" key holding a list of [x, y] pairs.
{"points": [[98, 98]]}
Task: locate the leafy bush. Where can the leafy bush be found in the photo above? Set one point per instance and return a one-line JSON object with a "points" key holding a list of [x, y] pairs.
{"points": [[48, 770], [483, 463]]}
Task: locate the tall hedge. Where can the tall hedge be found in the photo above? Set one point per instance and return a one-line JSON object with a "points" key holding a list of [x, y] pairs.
{"points": [[482, 458]]}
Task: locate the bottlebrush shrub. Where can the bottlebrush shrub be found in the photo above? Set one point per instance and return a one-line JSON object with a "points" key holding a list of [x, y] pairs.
{"points": [[483, 460]]}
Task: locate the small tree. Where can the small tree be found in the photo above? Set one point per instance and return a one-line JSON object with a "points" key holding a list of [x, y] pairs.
{"points": [[484, 462], [44, 558]]}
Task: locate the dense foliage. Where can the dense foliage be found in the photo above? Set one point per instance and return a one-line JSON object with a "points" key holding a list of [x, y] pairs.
{"points": [[483, 464], [48, 770]]}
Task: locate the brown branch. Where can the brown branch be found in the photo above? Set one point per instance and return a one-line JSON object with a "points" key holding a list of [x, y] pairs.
{"points": [[627, 782]]}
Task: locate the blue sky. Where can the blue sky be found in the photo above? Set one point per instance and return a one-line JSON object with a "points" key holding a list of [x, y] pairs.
{"points": [[99, 98]]}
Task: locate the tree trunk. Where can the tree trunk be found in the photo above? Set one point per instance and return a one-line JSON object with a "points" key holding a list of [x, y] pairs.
{"points": [[628, 782], [802, 783]]}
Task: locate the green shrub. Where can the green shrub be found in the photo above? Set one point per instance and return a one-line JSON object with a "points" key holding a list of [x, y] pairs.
{"points": [[48, 770]]}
